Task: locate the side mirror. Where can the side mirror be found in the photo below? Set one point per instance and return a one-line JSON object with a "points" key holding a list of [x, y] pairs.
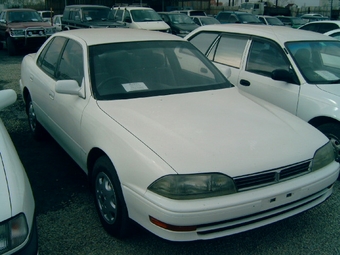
{"points": [[283, 75], [69, 87], [128, 20]]}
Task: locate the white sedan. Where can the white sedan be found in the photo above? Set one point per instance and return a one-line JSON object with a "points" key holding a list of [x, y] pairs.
{"points": [[296, 70], [166, 140], [18, 230]]}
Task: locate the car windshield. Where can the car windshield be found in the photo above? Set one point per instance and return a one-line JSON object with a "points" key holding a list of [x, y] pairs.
{"points": [[24, 16], [274, 21], [209, 21], [181, 19], [95, 14], [144, 69], [298, 21], [249, 18], [145, 15], [318, 61]]}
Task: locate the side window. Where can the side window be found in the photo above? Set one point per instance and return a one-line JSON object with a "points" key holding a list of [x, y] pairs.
{"points": [[265, 57], [203, 41], [49, 61], [71, 63], [119, 15], [323, 28], [230, 50]]}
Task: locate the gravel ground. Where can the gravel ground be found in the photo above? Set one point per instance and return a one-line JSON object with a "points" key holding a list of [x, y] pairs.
{"points": [[68, 223]]}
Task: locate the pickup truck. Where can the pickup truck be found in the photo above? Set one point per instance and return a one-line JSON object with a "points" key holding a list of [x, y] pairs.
{"points": [[23, 29], [87, 16]]}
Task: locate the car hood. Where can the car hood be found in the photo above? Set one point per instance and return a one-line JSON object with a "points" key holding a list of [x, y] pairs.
{"points": [[152, 25], [185, 27], [28, 24], [104, 24], [216, 131], [330, 88]]}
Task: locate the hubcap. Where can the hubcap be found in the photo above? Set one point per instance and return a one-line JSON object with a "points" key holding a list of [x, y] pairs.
{"points": [[106, 198], [31, 117], [336, 144]]}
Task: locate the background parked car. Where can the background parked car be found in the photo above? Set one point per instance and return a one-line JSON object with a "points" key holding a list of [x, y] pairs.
{"points": [[129, 103], [321, 26], [237, 17], [23, 29], [18, 230], [46, 15], [293, 22], [140, 18], [270, 20], [192, 13], [303, 80], [334, 33], [179, 23], [313, 17], [57, 23], [88, 16], [204, 20]]}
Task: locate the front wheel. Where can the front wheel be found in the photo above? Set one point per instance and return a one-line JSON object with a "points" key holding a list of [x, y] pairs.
{"points": [[332, 131], [36, 129], [10, 46], [109, 198]]}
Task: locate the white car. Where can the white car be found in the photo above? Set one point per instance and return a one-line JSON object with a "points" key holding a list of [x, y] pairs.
{"points": [[167, 141], [321, 26], [18, 230], [57, 22], [140, 18], [296, 70], [334, 33]]}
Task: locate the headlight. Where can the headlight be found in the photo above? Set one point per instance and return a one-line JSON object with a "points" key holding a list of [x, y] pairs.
{"points": [[193, 186], [13, 233], [323, 156], [17, 32]]}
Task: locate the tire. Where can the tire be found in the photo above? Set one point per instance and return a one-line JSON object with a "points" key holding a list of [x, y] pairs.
{"points": [[12, 51], [36, 128], [332, 131], [109, 198]]}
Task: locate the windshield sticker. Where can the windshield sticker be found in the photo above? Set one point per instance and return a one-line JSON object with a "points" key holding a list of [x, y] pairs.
{"points": [[135, 86], [327, 75]]}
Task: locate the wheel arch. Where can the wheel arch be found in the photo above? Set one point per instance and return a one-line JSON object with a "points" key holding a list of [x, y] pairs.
{"points": [[93, 155], [318, 121]]}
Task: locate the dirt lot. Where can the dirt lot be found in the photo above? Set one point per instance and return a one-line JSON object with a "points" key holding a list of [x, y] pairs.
{"points": [[68, 223]]}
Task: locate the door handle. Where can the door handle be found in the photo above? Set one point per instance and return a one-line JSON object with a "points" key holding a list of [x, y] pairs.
{"points": [[244, 82]]}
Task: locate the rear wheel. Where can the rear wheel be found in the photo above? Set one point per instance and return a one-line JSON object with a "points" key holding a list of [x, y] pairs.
{"points": [[109, 198]]}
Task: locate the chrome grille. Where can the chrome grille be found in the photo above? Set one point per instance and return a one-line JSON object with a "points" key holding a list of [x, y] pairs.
{"points": [[272, 176]]}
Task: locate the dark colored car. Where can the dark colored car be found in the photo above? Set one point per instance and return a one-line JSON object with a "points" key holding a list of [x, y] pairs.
{"points": [[88, 16], [180, 24], [290, 21], [237, 17], [23, 29], [205, 20]]}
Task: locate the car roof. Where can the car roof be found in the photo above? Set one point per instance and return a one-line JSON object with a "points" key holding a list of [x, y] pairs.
{"points": [[19, 9], [116, 35], [282, 34], [133, 7], [325, 21], [86, 5]]}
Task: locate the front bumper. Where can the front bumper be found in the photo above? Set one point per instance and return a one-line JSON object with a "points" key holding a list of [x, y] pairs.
{"points": [[227, 215]]}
